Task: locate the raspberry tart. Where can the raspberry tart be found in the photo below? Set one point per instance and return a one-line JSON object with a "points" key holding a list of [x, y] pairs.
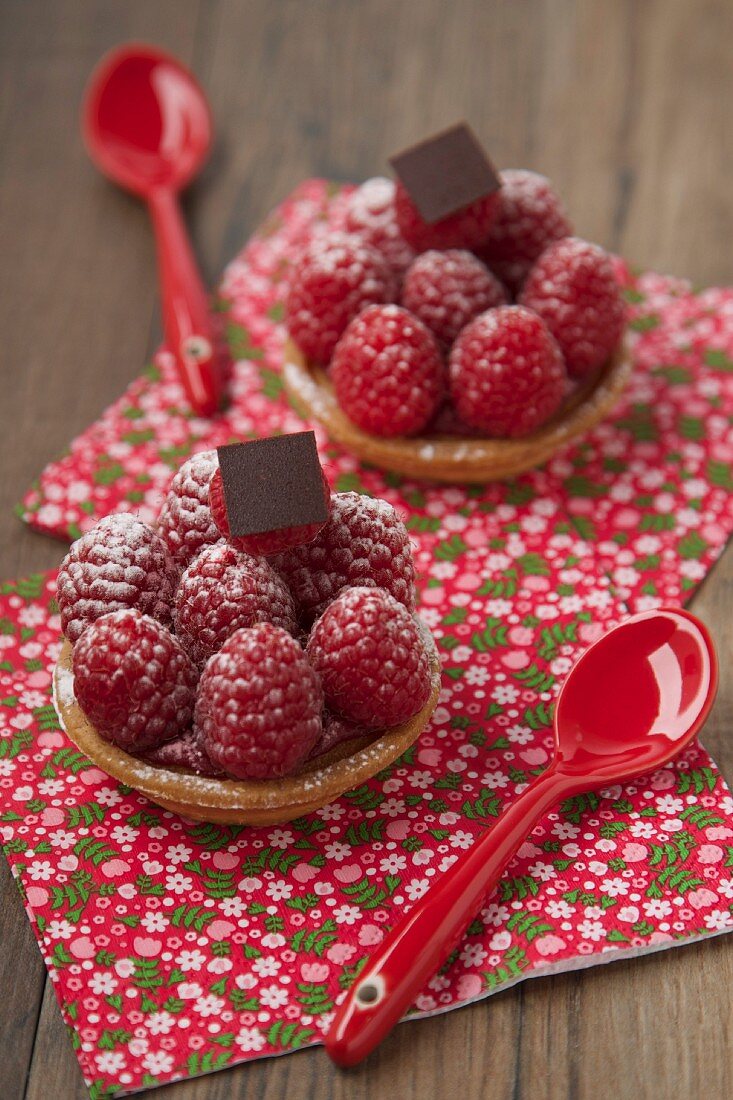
{"points": [[458, 339], [246, 689]]}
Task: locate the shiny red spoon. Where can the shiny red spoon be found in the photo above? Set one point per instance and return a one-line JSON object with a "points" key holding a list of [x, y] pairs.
{"points": [[147, 125], [634, 699]]}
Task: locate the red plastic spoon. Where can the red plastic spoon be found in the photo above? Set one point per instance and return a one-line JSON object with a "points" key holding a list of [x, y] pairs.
{"points": [[147, 126], [634, 699]]}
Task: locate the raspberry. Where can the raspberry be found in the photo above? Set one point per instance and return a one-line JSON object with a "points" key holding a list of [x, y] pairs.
{"points": [[133, 680], [506, 373], [336, 730], [370, 656], [185, 521], [222, 590], [268, 542], [336, 276], [468, 228], [530, 216], [186, 752], [364, 543], [387, 372], [446, 290], [370, 213], [259, 704], [573, 288], [120, 563]]}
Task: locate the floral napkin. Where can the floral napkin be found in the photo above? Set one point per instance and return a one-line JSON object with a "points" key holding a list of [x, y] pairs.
{"points": [[180, 948]]}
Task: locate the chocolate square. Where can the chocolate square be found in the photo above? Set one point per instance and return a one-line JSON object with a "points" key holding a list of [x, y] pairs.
{"points": [[446, 172], [272, 483]]}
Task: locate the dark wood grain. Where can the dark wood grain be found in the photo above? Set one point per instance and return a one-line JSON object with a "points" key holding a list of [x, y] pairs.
{"points": [[626, 105]]}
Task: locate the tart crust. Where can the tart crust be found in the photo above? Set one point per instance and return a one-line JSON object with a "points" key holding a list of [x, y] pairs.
{"points": [[455, 459], [237, 801]]}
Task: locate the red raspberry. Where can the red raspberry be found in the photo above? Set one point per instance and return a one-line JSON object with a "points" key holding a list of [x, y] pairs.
{"points": [[370, 212], [371, 658], [186, 752], [336, 276], [268, 542], [223, 590], [573, 288], [185, 521], [259, 704], [364, 543], [133, 680], [506, 373], [530, 217], [120, 563], [468, 228], [387, 372], [446, 290]]}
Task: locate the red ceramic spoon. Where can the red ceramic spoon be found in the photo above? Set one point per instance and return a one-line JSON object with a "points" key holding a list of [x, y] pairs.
{"points": [[634, 699], [147, 125]]}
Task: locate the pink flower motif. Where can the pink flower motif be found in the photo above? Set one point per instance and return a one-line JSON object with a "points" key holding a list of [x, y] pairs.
{"points": [[370, 935], [663, 780], [314, 972], [225, 861], [398, 830], [348, 874], [146, 946], [521, 635], [340, 952], [303, 872], [634, 853], [115, 868], [220, 929], [468, 986], [701, 898], [549, 945], [710, 853]]}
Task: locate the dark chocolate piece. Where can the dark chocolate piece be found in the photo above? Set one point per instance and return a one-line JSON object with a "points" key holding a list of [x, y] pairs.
{"points": [[446, 172], [272, 483]]}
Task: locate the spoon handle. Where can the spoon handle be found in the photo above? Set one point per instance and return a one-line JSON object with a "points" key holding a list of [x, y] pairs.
{"points": [[189, 332], [418, 945]]}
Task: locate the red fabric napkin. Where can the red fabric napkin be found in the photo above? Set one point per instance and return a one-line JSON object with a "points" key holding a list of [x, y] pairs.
{"points": [[177, 948]]}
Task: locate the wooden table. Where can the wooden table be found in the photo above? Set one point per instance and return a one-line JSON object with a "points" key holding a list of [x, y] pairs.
{"points": [[626, 104]]}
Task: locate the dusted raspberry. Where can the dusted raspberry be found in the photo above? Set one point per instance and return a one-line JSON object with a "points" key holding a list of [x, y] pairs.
{"points": [[120, 563], [448, 289], [185, 521], [223, 590], [186, 752], [530, 217], [259, 704], [333, 280], [364, 543], [336, 730], [507, 376], [573, 288], [134, 681], [468, 228], [371, 658], [370, 212], [268, 542], [387, 372]]}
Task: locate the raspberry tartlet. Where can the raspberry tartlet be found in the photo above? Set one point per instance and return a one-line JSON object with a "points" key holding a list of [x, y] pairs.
{"points": [[246, 689], [385, 364]]}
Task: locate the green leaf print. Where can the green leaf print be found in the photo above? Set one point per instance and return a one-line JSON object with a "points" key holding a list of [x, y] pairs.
{"points": [[697, 780], [287, 1036], [717, 358]]}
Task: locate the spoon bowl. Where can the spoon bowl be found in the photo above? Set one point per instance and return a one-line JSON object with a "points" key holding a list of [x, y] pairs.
{"points": [[146, 121], [631, 703], [635, 697]]}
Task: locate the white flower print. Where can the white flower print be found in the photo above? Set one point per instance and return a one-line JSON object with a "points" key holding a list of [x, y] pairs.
{"points": [[347, 914], [669, 805], [332, 812], [155, 922], [102, 984], [591, 930], [614, 887], [460, 839], [642, 830], [559, 909], [40, 870], [157, 1061], [505, 694], [209, 1005], [110, 1061], [51, 787], [717, 919], [190, 960], [178, 883], [59, 838], [542, 871], [392, 807], [123, 834], [392, 864], [416, 888], [495, 780], [657, 908], [249, 1038], [280, 889], [233, 907], [564, 830], [160, 1023], [519, 735], [267, 966], [281, 838], [273, 996], [476, 675], [178, 853], [337, 851], [108, 797]]}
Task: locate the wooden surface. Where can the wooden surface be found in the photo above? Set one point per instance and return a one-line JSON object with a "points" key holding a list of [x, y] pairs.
{"points": [[626, 104]]}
